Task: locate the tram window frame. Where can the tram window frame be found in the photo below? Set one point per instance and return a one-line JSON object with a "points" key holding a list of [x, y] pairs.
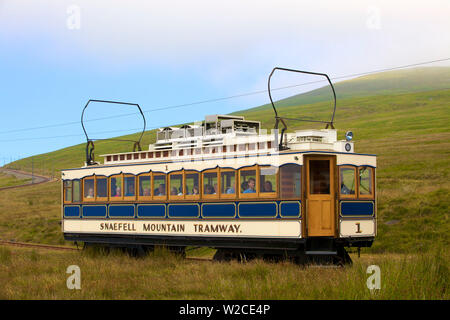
{"points": [[223, 193], [177, 196], [343, 195], [250, 194], [199, 181], [97, 198], [370, 196], [292, 195], [67, 186], [273, 194], [111, 197], [217, 192], [85, 198], [128, 198], [139, 189], [165, 176]]}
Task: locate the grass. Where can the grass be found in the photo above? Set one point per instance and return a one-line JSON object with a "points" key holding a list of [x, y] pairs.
{"points": [[31, 214], [7, 180], [39, 274]]}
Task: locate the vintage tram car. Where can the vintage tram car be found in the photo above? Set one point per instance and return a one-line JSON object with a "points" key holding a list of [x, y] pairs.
{"points": [[226, 183]]}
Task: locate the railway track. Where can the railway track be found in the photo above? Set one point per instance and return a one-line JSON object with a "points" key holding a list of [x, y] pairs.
{"points": [[22, 174], [36, 245], [51, 247]]}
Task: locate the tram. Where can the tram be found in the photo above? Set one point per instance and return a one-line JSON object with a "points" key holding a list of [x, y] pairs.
{"points": [[228, 184]]}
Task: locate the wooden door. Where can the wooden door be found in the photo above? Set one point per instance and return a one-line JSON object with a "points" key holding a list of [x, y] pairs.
{"points": [[320, 196]]}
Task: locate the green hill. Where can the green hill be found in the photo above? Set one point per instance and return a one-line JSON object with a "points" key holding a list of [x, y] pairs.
{"points": [[391, 82], [409, 131]]}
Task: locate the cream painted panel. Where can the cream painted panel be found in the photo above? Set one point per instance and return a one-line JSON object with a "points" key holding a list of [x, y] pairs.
{"points": [[350, 228], [236, 228]]}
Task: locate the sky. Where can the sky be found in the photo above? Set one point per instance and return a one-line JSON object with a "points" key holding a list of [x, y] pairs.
{"points": [[56, 55]]}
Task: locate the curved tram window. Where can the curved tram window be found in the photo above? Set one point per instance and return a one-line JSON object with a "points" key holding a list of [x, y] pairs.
{"points": [[68, 191], [248, 181], [365, 181], [347, 181], [76, 191], [176, 184], [116, 187], [210, 183], [145, 186], [101, 184], [159, 185], [89, 188], [268, 180], [290, 181], [129, 186], [192, 184], [228, 182]]}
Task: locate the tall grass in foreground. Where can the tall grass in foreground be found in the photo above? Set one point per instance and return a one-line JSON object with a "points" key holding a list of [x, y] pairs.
{"points": [[30, 274]]}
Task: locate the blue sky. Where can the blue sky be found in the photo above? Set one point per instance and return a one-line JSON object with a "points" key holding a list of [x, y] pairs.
{"points": [[55, 55]]}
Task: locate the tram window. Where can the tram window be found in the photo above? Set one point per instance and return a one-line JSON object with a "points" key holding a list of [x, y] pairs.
{"points": [[365, 181], [192, 184], [129, 186], [347, 181], [319, 176], [176, 184], [145, 186], [76, 191], [290, 181], [210, 184], [89, 188], [102, 187], [242, 147], [251, 146], [248, 181], [68, 191], [268, 179], [116, 186], [228, 182], [159, 185]]}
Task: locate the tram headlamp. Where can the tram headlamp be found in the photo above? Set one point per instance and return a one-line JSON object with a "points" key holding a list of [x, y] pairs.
{"points": [[349, 136]]}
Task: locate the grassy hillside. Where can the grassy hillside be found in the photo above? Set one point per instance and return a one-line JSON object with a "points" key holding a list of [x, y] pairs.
{"points": [[384, 83], [409, 132]]}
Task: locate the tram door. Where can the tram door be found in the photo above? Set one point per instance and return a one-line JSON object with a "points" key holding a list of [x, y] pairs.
{"points": [[320, 195]]}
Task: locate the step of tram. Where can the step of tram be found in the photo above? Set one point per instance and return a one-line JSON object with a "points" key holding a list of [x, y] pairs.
{"points": [[321, 252]]}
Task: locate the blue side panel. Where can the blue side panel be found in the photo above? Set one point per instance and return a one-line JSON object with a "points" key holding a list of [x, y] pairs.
{"points": [[290, 209], [121, 211], [184, 210], [219, 210], [152, 210], [94, 211], [353, 208], [72, 211], [257, 209]]}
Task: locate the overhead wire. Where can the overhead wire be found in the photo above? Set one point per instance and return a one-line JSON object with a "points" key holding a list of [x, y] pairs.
{"points": [[203, 102]]}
